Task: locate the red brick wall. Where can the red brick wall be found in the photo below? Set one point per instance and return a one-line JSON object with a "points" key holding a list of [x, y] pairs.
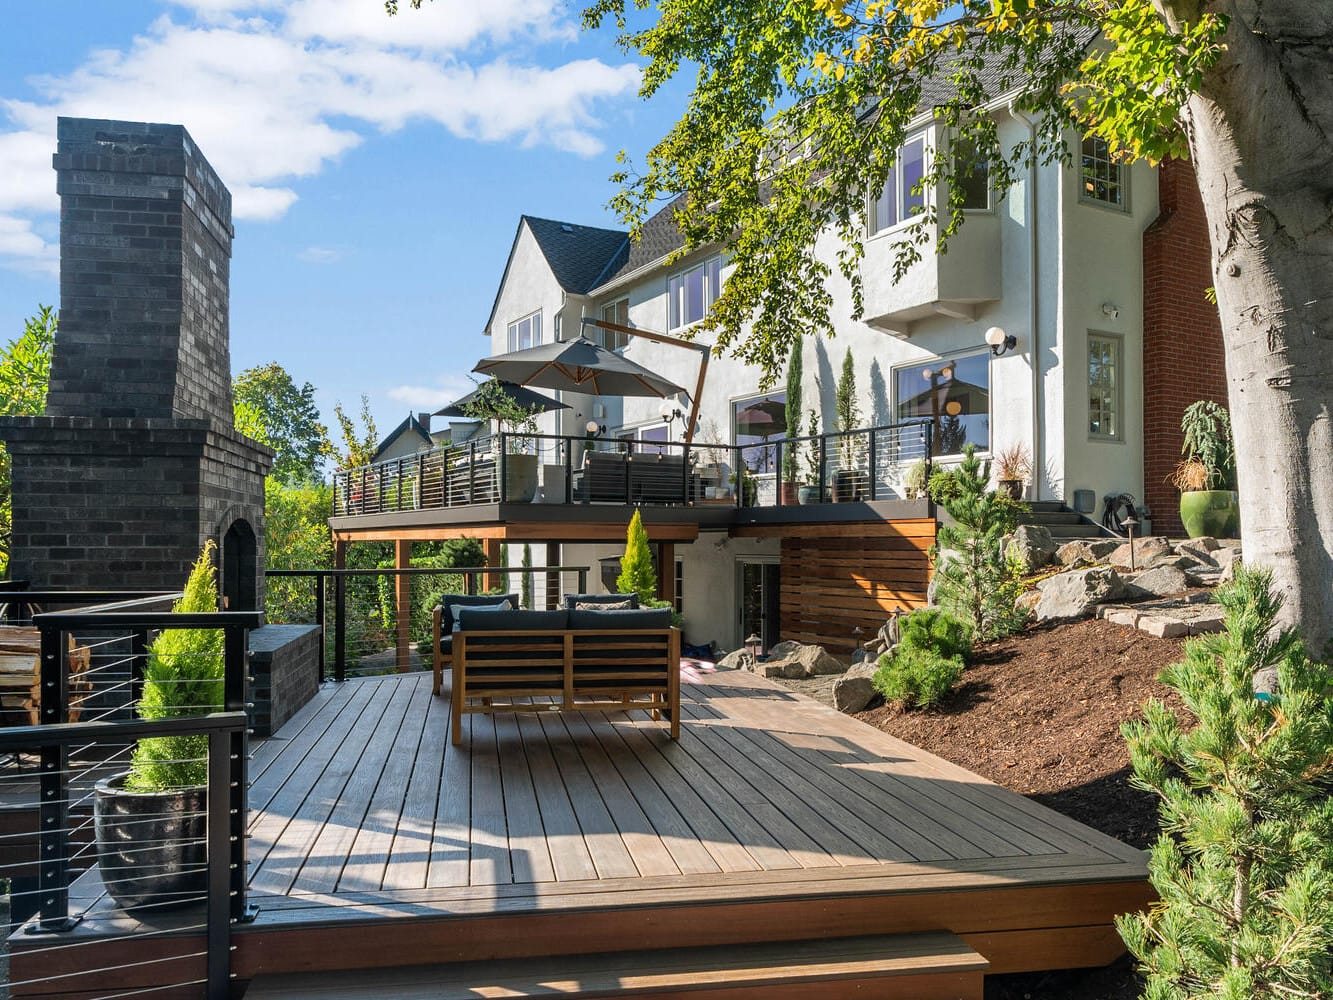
{"points": [[1183, 359]]}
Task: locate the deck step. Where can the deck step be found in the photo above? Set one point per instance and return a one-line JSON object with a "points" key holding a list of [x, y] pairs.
{"points": [[935, 966]]}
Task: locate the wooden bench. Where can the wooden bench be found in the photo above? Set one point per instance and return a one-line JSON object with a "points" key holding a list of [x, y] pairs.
{"points": [[21, 672], [578, 669]]}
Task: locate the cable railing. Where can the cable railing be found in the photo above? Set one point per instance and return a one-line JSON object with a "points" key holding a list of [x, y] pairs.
{"points": [[74, 848], [378, 621], [868, 464]]}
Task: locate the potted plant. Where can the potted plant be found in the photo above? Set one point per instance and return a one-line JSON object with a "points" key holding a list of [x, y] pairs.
{"points": [[520, 464], [151, 821], [809, 491], [746, 484], [1206, 476], [791, 458], [848, 480], [914, 482], [1013, 467]]}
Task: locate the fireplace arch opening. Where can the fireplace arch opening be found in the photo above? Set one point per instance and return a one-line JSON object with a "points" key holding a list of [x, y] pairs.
{"points": [[240, 567]]}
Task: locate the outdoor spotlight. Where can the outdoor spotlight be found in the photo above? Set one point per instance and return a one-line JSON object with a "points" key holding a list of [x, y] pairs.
{"points": [[1110, 309], [999, 341]]}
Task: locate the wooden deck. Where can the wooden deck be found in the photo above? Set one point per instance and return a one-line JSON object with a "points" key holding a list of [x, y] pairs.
{"points": [[376, 844]]}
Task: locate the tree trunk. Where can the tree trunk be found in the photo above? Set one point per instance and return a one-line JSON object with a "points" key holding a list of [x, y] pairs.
{"points": [[1260, 130]]}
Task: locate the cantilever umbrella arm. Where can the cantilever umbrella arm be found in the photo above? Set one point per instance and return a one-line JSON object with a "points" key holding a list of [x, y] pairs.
{"points": [[661, 338]]}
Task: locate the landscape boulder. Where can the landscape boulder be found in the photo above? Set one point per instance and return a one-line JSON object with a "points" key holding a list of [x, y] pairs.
{"points": [[1075, 594], [1032, 545], [855, 689], [782, 650], [1195, 549], [1225, 555], [1085, 551], [1164, 581], [740, 659], [803, 661], [1145, 551]]}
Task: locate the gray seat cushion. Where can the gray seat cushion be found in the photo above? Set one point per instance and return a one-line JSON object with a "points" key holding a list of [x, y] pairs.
{"points": [[571, 600], [488, 620], [447, 601], [638, 618]]}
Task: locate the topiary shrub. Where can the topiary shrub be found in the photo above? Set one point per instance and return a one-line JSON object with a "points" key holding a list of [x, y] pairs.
{"points": [[1244, 865], [182, 677], [916, 677], [637, 575]]}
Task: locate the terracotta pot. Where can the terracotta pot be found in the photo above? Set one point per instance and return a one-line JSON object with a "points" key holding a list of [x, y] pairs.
{"points": [[790, 494]]}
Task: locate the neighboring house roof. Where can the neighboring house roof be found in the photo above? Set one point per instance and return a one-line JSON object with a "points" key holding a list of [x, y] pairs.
{"points": [[409, 426], [578, 256]]}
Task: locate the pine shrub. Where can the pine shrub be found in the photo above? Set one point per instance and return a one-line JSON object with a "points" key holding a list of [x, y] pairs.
{"points": [[918, 677], [931, 628], [1244, 865], [183, 677]]}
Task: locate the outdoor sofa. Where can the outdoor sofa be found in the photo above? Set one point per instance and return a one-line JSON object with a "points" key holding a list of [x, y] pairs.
{"points": [[566, 661], [615, 477], [443, 622]]}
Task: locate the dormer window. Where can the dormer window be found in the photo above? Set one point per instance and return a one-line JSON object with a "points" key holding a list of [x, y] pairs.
{"points": [[526, 332]]}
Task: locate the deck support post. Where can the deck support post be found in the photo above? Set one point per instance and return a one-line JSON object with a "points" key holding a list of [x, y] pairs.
{"points": [[493, 580], [402, 593], [666, 572]]}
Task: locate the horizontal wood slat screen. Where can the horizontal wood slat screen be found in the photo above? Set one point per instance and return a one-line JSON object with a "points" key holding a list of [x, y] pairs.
{"points": [[831, 585]]}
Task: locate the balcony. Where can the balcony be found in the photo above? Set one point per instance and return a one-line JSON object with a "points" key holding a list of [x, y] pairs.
{"points": [[862, 466], [954, 284]]}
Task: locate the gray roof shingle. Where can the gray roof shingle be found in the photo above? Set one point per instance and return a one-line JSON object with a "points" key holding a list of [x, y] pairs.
{"points": [[578, 255]]}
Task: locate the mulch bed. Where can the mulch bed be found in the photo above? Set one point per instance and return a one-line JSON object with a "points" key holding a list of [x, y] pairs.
{"points": [[1040, 713]]}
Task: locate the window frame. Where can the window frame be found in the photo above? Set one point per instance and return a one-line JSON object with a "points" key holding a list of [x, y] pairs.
{"points": [[989, 207], [1118, 175], [675, 301], [945, 359], [895, 178], [770, 447], [1117, 342], [621, 340], [533, 332]]}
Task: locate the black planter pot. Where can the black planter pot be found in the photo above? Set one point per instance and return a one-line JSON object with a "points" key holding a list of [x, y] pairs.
{"points": [[152, 847]]}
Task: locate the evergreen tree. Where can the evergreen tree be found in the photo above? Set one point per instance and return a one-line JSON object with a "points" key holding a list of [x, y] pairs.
{"points": [[1244, 865], [525, 583], [791, 460], [637, 575], [973, 578]]}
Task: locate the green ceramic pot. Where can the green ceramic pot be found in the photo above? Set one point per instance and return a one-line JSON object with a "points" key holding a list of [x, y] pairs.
{"points": [[1210, 512]]}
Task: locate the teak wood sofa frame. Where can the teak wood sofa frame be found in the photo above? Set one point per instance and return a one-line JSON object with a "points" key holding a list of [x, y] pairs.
{"points": [[567, 670]]}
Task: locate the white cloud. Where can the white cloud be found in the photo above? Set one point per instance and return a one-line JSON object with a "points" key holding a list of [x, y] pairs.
{"points": [[25, 249], [446, 390], [320, 255], [274, 92]]}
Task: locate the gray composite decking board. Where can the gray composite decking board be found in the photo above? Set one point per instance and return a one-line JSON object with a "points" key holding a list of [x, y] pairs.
{"points": [[569, 851], [331, 849], [370, 852], [490, 835], [529, 850], [451, 844], [409, 856], [330, 765]]}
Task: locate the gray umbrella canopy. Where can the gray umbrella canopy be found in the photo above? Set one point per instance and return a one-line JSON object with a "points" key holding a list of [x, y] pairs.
{"points": [[533, 402], [578, 365]]}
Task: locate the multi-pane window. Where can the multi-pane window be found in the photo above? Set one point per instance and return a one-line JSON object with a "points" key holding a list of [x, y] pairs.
{"points": [[614, 312], [526, 332], [972, 175], [1102, 178], [953, 394], [1103, 386], [692, 292], [898, 201], [757, 422]]}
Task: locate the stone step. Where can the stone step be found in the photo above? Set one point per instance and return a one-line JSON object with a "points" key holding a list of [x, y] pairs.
{"points": [[935, 966]]}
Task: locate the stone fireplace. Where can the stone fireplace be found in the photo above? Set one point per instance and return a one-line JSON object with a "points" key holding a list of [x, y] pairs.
{"points": [[137, 463]]}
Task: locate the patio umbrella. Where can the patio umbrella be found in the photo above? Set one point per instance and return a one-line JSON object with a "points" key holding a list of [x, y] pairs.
{"points": [[533, 402], [578, 365], [762, 419]]}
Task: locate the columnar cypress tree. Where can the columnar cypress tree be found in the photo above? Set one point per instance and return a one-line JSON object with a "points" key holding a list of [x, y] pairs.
{"points": [[791, 458], [525, 582], [1244, 865], [974, 580], [636, 565]]}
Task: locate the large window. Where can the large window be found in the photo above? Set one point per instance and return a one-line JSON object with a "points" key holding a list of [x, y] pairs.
{"points": [[756, 423], [1103, 180], [953, 394], [692, 292], [898, 202], [972, 174], [1104, 399], [613, 312], [525, 333]]}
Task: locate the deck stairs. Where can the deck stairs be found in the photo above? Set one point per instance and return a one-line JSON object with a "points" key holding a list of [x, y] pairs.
{"points": [[936, 966], [1063, 523]]}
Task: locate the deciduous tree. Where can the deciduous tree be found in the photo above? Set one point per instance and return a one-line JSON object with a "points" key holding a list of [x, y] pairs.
{"points": [[25, 370], [799, 107], [290, 419]]}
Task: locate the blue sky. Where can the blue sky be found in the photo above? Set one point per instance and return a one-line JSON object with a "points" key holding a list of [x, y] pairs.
{"points": [[378, 166]]}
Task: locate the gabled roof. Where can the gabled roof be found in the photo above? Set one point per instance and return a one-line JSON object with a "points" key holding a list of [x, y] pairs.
{"points": [[578, 256], [409, 426]]}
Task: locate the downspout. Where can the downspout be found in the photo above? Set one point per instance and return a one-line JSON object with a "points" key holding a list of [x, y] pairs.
{"points": [[1038, 458]]}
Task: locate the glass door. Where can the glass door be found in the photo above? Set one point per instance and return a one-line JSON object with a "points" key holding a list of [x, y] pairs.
{"points": [[760, 609]]}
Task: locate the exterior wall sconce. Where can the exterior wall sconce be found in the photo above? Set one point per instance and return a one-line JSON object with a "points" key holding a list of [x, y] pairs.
{"points": [[1110, 310], [999, 341], [594, 428], [670, 410]]}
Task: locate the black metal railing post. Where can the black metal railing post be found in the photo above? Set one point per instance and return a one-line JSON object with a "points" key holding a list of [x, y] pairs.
{"points": [[53, 810], [873, 462], [321, 612], [138, 657], [503, 484], [339, 627], [218, 933], [569, 470]]}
